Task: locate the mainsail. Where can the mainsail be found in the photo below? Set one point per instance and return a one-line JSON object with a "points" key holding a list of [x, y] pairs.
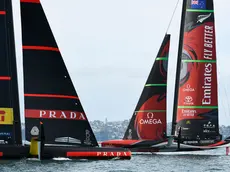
{"points": [[149, 119], [10, 125], [50, 96], [196, 104]]}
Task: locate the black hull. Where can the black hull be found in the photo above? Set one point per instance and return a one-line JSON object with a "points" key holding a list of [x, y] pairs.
{"points": [[91, 153], [163, 146], [183, 148], [13, 152], [50, 152]]}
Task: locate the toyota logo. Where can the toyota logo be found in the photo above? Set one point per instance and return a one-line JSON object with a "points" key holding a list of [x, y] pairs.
{"points": [[188, 99]]}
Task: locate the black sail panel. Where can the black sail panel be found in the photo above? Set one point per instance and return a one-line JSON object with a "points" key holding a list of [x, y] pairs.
{"points": [[149, 119], [197, 108], [10, 125], [49, 93]]}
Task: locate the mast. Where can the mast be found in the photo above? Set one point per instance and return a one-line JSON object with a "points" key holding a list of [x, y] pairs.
{"points": [[178, 67], [10, 125], [13, 71]]}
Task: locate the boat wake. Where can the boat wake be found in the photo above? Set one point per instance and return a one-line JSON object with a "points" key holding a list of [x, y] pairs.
{"points": [[61, 159], [220, 152]]}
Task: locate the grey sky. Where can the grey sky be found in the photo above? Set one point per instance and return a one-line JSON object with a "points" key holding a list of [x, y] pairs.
{"points": [[109, 47]]}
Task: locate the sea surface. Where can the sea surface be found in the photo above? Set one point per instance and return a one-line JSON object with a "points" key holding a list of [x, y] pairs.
{"points": [[206, 161]]}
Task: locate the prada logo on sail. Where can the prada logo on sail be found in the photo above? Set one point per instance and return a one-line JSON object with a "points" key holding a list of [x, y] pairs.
{"points": [[54, 114], [150, 119]]}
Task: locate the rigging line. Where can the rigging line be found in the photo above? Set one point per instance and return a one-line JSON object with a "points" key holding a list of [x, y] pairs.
{"points": [[173, 15], [225, 91], [227, 116]]}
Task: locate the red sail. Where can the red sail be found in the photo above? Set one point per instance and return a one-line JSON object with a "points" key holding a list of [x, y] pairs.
{"points": [[197, 113], [149, 119], [147, 126]]}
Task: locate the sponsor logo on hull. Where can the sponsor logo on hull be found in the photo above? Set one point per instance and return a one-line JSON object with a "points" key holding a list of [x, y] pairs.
{"points": [[99, 154], [54, 114]]}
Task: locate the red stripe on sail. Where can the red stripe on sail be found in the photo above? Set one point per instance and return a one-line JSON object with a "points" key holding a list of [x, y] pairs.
{"points": [[99, 154], [54, 114], [5, 78], [44, 48], [31, 1], [51, 96], [2, 12]]}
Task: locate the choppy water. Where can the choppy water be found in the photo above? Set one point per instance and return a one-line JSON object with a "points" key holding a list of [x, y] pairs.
{"points": [[208, 161]]}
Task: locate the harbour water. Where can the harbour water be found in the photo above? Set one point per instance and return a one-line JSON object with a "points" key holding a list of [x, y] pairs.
{"points": [[206, 161]]}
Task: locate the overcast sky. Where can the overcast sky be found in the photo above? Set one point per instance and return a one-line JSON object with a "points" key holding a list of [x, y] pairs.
{"points": [[109, 47]]}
